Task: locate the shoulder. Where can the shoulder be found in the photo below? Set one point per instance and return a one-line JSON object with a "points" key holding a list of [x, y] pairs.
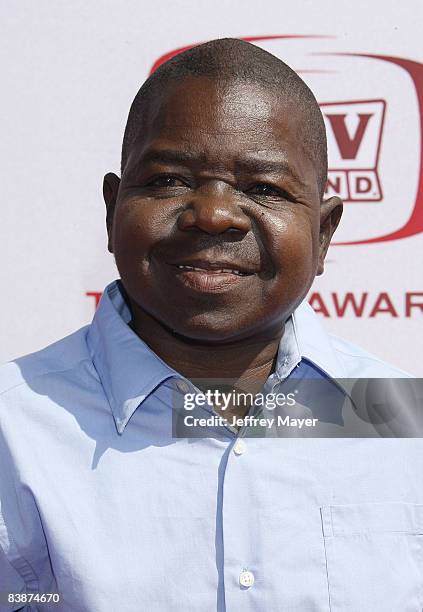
{"points": [[357, 362], [338, 356], [60, 357]]}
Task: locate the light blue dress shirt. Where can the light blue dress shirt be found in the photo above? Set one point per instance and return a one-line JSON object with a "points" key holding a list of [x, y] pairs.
{"points": [[99, 503]]}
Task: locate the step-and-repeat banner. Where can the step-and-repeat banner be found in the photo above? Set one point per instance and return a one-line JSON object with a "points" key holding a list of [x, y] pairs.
{"points": [[70, 74]]}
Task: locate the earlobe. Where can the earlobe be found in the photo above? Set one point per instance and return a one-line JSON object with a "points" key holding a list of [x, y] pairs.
{"points": [[111, 184], [330, 215]]}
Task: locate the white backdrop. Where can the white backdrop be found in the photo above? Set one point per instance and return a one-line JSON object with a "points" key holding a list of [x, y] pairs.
{"points": [[70, 70]]}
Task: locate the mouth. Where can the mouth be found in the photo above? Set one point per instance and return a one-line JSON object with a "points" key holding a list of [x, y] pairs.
{"points": [[213, 270], [211, 277]]}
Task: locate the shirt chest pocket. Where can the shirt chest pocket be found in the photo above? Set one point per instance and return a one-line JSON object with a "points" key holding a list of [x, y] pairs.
{"points": [[374, 557]]}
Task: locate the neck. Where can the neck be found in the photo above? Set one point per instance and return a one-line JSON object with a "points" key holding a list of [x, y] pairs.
{"points": [[247, 362]]}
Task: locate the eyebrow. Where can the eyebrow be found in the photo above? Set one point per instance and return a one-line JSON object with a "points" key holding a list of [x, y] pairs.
{"points": [[250, 165]]}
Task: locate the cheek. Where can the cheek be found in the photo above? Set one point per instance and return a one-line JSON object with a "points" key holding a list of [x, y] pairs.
{"points": [[293, 247], [136, 228]]}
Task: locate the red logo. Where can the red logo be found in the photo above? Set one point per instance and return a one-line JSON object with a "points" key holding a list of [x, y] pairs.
{"points": [[355, 130]]}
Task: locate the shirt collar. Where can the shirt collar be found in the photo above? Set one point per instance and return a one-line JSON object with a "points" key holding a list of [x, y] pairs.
{"points": [[314, 342], [129, 370]]}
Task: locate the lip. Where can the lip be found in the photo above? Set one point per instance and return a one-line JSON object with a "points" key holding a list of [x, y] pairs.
{"points": [[210, 277]]}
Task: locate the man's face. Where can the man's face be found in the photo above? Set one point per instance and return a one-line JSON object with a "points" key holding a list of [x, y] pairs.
{"points": [[217, 226]]}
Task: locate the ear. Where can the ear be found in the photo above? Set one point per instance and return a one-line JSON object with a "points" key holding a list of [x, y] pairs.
{"points": [[330, 215], [111, 184]]}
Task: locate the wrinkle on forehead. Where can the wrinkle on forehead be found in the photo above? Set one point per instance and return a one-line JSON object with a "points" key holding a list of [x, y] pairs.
{"points": [[263, 120], [240, 102]]}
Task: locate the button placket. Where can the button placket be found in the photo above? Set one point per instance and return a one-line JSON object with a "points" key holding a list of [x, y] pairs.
{"points": [[239, 528]]}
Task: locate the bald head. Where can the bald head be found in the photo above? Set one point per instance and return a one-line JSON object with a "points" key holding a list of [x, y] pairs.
{"points": [[231, 59]]}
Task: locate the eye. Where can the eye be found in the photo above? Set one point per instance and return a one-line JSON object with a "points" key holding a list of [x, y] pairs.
{"points": [[263, 189], [166, 180]]}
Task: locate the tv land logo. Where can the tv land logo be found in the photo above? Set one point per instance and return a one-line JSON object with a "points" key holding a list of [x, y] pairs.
{"points": [[355, 133]]}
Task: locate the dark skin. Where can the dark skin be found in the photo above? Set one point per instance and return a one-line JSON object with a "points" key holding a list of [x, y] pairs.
{"points": [[255, 235]]}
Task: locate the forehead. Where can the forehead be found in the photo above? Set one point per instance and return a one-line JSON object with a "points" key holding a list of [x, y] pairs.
{"points": [[224, 107]]}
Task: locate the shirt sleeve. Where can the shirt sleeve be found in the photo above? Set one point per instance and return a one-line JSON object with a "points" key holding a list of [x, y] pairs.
{"points": [[10, 582], [24, 559]]}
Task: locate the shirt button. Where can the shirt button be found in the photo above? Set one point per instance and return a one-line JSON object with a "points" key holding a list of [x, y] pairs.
{"points": [[239, 447], [182, 386], [246, 579]]}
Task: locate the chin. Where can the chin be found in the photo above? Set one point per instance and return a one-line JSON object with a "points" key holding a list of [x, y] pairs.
{"points": [[212, 329]]}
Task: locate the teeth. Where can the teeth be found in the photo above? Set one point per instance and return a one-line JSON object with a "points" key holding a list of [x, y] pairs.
{"points": [[226, 270]]}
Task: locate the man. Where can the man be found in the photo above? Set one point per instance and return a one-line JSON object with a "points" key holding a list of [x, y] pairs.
{"points": [[218, 226]]}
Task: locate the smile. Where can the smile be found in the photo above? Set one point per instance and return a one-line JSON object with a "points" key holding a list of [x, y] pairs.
{"points": [[207, 277], [213, 271]]}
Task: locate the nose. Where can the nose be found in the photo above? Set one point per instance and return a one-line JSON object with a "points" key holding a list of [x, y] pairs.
{"points": [[214, 209]]}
